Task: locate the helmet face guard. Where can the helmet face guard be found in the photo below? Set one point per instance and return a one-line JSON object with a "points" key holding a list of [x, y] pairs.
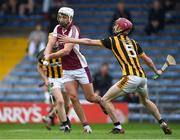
{"points": [[122, 26], [63, 19]]}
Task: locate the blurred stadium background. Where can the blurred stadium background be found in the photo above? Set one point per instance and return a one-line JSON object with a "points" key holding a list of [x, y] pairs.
{"points": [[19, 78]]}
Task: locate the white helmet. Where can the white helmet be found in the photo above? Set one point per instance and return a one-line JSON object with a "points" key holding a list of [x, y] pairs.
{"points": [[67, 11]]}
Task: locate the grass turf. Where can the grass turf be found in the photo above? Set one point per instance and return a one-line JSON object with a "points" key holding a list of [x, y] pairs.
{"points": [[100, 131]]}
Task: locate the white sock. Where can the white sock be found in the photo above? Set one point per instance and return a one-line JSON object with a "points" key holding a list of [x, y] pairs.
{"points": [[86, 126], [66, 126], [163, 124], [118, 127]]}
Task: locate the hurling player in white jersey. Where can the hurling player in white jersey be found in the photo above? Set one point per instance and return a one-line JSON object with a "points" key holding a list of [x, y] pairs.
{"points": [[75, 68]]}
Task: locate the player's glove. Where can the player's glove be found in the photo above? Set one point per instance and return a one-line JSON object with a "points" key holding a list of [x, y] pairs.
{"points": [[157, 75]]}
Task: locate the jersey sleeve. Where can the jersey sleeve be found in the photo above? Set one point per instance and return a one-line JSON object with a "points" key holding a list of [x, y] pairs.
{"points": [[74, 33], [55, 33], [106, 42], [139, 49]]}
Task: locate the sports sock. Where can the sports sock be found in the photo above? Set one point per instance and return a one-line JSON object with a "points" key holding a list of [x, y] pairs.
{"points": [[65, 124], [51, 116], [85, 124], [161, 121], [118, 125]]}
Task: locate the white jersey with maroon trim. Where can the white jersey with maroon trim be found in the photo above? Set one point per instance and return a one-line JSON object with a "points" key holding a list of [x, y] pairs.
{"points": [[75, 60]]}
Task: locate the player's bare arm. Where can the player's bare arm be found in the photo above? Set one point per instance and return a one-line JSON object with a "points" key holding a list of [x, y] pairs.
{"points": [[42, 74], [84, 41], [67, 49], [150, 63], [51, 42]]}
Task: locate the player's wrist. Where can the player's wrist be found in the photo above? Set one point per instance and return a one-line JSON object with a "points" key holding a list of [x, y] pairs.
{"points": [[46, 57], [156, 72], [70, 40]]}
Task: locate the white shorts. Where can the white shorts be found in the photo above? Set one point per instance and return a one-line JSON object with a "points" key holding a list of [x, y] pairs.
{"points": [[57, 83], [83, 75], [131, 84]]}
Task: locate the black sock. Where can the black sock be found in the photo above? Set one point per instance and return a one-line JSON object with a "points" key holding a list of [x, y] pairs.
{"points": [[68, 119], [117, 123], [65, 123], [85, 123], [51, 116], [161, 121]]}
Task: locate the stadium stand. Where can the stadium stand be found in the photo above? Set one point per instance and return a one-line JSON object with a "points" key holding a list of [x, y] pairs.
{"points": [[10, 59], [93, 18]]}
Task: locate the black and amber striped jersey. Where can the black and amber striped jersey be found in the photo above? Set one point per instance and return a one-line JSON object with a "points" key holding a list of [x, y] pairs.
{"points": [[126, 52], [54, 69]]}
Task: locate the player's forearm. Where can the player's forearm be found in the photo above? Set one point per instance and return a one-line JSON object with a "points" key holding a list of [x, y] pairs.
{"points": [[50, 44], [84, 41], [41, 72], [58, 54], [48, 49], [53, 55], [151, 64]]}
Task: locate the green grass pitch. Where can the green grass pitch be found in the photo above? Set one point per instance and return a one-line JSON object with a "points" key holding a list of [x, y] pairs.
{"points": [[100, 131]]}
